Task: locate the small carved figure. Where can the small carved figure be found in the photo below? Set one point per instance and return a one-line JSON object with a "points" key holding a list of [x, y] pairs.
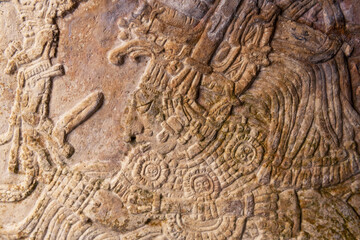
{"points": [[38, 147]]}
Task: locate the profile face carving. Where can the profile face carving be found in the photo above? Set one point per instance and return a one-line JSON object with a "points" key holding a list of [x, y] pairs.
{"points": [[220, 119]]}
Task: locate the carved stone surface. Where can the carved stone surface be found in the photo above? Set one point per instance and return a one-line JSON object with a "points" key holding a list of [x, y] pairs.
{"points": [[180, 119]]}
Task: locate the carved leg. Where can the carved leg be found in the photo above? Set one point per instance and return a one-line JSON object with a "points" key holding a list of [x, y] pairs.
{"points": [[70, 120], [46, 169]]}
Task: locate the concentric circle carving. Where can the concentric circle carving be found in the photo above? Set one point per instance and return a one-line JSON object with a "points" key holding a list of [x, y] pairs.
{"points": [[244, 153], [151, 170]]}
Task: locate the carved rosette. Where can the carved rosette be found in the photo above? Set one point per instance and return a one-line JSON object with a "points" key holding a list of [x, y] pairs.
{"points": [[244, 153], [150, 170]]}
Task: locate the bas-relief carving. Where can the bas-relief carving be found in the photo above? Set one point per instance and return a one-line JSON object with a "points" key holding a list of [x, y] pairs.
{"points": [[243, 126]]}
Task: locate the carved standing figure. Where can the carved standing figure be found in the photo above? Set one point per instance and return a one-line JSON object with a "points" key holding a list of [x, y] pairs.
{"points": [[242, 127], [38, 147]]}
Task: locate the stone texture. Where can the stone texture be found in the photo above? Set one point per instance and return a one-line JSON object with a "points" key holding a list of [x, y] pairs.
{"points": [[179, 119]]}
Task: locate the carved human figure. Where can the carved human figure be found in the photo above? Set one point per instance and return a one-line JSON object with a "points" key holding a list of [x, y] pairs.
{"points": [[198, 106], [242, 127], [38, 148]]}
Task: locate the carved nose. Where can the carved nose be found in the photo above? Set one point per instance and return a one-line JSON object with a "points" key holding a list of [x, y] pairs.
{"points": [[135, 130], [134, 127]]}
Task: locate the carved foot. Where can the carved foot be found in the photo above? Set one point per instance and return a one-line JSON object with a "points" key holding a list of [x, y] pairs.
{"points": [[67, 150]]}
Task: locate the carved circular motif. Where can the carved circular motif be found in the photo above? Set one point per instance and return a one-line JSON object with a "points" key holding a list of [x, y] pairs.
{"points": [[201, 183], [151, 170], [244, 154]]}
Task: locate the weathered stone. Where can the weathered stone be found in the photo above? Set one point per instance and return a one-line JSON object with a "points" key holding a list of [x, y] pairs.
{"points": [[180, 119]]}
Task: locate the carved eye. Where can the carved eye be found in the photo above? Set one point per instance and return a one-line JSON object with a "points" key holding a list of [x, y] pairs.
{"points": [[144, 108]]}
